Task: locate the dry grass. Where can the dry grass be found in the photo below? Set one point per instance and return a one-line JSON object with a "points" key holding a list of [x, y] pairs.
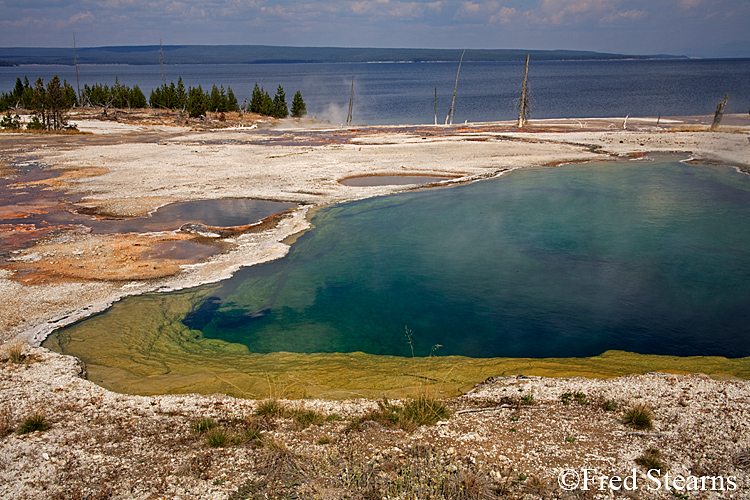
{"points": [[407, 416], [650, 460], [13, 351], [6, 422]]}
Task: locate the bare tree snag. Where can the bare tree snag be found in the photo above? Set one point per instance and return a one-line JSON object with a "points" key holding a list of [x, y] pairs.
{"points": [[719, 113], [351, 102], [455, 87], [161, 63], [525, 111]]}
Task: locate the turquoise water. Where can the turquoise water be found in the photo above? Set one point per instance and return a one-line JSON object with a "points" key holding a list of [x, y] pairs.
{"points": [[643, 256]]}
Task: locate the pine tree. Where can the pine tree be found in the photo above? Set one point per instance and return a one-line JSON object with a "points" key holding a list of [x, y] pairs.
{"points": [[298, 106], [197, 102], [266, 104], [256, 100], [280, 109]]}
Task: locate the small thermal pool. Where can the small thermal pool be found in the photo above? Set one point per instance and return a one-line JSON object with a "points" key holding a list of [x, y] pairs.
{"points": [[391, 180]]}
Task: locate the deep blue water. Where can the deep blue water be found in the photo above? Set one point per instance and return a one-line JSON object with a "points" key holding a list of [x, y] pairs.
{"points": [[650, 257], [404, 93]]}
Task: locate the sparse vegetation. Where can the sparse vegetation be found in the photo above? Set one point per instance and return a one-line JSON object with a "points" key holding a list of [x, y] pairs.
{"points": [[13, 351], [639, 417], [35, 422], [407, 416], [203, 424], [609, 405], [218, 438], [527, 399], [650, 460], [6, 422], [579, 398], [270, 408], [305, 418]]}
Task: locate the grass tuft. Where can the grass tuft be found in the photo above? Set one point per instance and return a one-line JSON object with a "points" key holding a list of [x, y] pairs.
{"points": [[305, 418], [639, 416], [650, 460], [408, 416], [218, 438], [13, 351], [270, 408], [33, 423], [203, 424]]}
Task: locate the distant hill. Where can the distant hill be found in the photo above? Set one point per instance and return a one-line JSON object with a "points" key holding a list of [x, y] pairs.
{"points": [[260, 54]]}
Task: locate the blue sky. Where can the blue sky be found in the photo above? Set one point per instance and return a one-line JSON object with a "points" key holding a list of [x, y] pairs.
{"points": [[686, 27]]}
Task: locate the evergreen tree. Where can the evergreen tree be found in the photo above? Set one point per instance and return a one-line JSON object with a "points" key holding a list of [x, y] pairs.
{"points": [[136, 98], [232, 101], [280, 109], [197, 102], [181, 95], [298, 106], [256, 100], [266, 104]]}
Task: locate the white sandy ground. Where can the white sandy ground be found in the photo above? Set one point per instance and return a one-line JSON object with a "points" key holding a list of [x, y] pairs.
{"points": [[141, 447]]}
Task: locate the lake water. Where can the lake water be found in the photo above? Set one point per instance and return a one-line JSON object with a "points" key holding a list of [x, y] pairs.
{"points": [[646, 256], [404, 93]]}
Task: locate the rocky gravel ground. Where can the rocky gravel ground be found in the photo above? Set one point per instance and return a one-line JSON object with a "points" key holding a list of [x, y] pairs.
{"points": [[513, 437]]}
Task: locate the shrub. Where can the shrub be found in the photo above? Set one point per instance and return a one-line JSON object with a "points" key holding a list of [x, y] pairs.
{"points": [[35, 422], [10, 122], [609, 405], [528, 399], [639, 417], [324, 440]]}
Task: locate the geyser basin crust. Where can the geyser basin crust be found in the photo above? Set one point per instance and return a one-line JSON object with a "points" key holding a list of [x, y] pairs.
{"points": [[637, 246]]}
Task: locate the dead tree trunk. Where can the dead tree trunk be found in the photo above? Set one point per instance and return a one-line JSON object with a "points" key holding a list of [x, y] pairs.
{"points": [[719, 113], [455, 87], [75, 59], [161, 63], [351, 102], [523, 114]]}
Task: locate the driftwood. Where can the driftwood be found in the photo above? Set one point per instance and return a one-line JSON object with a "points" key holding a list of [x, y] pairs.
{"points": [[646, 434]]}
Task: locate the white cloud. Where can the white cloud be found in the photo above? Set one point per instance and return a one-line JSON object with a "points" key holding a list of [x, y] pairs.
{"points": [[630, 15], [689, 4], [81, 16]]}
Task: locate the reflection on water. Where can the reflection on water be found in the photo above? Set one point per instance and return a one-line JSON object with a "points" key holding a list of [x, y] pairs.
{"points": [[650, 257]]}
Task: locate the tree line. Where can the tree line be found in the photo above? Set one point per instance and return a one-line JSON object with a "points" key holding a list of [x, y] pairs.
{"points": [[49, 103]]}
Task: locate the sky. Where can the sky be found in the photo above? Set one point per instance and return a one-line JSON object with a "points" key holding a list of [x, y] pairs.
{"points": [[702, 28]]}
